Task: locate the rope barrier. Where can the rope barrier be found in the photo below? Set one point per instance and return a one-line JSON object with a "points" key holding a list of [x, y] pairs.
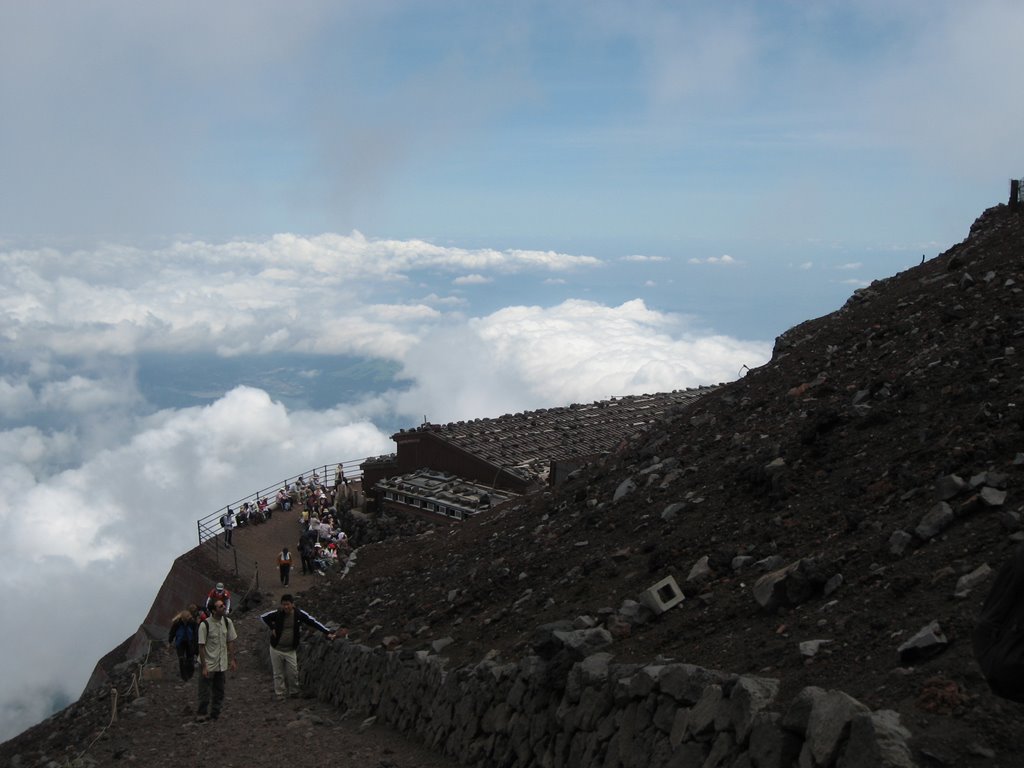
{"points": [[133, 686]]}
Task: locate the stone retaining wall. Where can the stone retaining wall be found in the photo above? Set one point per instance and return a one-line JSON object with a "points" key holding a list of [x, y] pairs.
{"points": [[593, 712]]}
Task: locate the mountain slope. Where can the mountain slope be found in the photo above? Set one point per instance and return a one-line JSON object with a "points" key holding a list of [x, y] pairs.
{"points": [[832, 454]]}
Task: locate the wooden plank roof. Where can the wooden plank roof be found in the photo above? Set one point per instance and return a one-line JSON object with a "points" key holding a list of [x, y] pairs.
{"points": [[525, 443]]}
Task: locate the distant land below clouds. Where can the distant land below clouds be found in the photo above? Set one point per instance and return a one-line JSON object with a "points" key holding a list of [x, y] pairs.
{"points": [[299, 381]]}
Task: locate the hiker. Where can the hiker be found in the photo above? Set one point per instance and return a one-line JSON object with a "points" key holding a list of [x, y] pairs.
{"points": [[218, 593], [306, 554], [284, 501], [285, 632], [184, 638], [284, 563], [216, 655]]}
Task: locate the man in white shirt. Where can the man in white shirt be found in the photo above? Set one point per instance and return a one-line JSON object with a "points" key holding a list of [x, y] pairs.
{"points": [[217, 638]]}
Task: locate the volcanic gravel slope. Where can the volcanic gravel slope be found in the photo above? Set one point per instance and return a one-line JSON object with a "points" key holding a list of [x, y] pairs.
{"points": [[848, 436], [822, 454]]}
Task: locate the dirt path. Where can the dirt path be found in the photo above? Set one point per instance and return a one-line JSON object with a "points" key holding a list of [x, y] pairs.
{"points": [[257, 547], [253, 730]]}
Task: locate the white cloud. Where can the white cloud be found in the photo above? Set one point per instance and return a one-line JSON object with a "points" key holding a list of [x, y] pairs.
{"points": [[850, 266], [29, 452], [445, 301], [16, 398], [724, 259], [529, 357], [84, 395], [472, 280], [641, 258], [109, 528], [242, 297]]}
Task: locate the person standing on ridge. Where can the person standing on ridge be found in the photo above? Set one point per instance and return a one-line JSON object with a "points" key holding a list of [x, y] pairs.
{"points": [[284, 642], [217, 638]]}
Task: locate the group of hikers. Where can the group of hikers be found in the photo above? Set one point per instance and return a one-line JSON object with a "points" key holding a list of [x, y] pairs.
{"points": [[316, 498], [206, 637]]}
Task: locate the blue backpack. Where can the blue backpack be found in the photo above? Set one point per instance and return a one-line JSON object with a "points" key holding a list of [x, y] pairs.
{"points": [[183, 635]]}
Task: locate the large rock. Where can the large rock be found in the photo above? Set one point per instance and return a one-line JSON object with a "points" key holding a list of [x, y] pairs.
{"points": [[686, 682], [771, 746], [636, 613], [927, 642], [993, 497], [700, 571], [949, 486], [877, 740], [791, 585], [935, 521], [701, 717], [770, 589], [969, 581], [748, 697], [583, 642], [625, 488], [828, 725]]}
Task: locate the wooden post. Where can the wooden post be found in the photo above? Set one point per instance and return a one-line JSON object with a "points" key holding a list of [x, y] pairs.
{"points": [[1014, 194]]}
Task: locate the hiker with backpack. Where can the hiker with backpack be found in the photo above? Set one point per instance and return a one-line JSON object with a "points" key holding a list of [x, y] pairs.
{"points": [[217, 638], [284, 564], [218, 593], [184, 638]]}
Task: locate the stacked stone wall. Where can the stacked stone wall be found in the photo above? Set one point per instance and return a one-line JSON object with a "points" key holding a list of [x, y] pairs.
{"points": [[595, 712]]}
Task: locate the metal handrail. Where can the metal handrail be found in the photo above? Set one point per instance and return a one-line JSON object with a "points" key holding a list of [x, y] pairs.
{"points": [[209, 527]]}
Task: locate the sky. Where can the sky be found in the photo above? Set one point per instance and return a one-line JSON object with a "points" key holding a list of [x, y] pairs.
{"points": [[241, 239]]}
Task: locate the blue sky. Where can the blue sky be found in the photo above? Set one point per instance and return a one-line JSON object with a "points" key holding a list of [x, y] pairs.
{"points": [[507, 206]]}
